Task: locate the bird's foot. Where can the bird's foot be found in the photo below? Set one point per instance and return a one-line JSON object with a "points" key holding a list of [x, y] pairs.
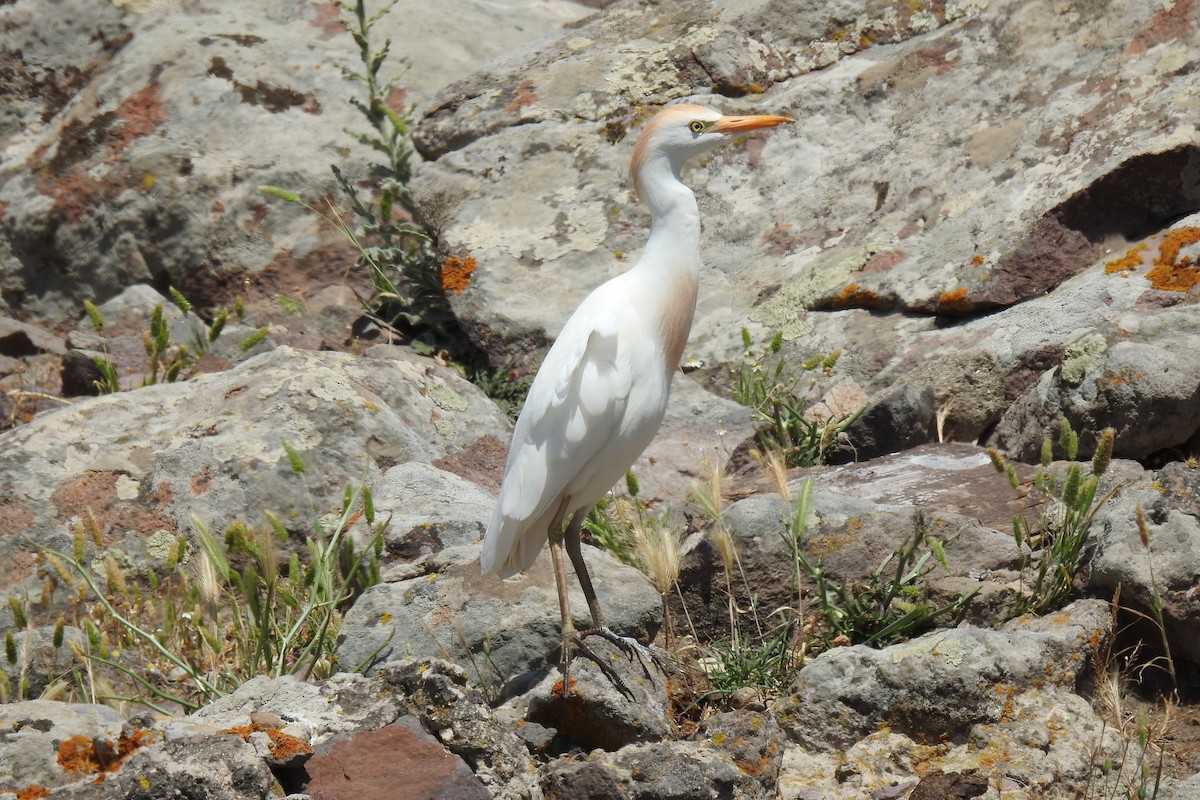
{"points": [[629, 645]]}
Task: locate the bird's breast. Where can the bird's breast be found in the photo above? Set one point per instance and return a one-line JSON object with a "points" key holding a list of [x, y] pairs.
{"points": [[676, 314]]}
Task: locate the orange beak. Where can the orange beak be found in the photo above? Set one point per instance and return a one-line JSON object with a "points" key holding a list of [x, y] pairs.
{"points": [[752, 123]]}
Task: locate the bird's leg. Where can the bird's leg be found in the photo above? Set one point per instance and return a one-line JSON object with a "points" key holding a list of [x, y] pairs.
{"points": [[560, 582], [599, 628], [571, 540]]}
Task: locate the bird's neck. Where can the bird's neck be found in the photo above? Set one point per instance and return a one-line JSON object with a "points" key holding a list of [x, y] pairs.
{"points": [[674, 226], [671, 263]]}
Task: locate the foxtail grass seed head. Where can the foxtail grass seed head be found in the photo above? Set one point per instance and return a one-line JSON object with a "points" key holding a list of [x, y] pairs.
{"points": [[59, 631], [1047, 452], [115, 577], [254, 338], [20, 619], [1068, 440], [175, 554], [1071, 488], [631, 483], [159, 330], [10, 647], [368, 503], [93, 315], [94, 528], [179, 300], [205, 576], [658, 550], [293, 457], [1143, 528], [268, 556], [77, 541], [1104, 450], [997, 459], [722, 540]]}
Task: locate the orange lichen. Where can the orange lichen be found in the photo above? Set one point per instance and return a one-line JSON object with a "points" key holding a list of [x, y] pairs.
{"points": [[955, 300], [85, 754], [456, 274], [32, 792], [283, 746], [976, 260], [1130, 261], [854, 296], [1171, 272], [559, 689]]}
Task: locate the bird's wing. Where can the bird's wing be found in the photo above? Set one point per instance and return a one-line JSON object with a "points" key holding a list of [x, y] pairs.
{"points": [[574, 407]]}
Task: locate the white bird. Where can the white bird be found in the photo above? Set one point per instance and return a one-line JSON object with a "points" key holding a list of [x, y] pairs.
{"points": [[601, 392]]}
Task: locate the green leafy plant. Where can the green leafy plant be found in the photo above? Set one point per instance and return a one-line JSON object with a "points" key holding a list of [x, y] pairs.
{"points": [[891, 605], [410, 284], [167, 360], [1052, 544], [780, 393], [227, 607]]}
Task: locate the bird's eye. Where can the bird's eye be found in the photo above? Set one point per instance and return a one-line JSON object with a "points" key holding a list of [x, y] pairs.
{"points": [[696, 126]]}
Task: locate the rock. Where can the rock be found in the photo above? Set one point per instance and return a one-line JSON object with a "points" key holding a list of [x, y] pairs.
{"points": [[35, 729], [157, 182], [501, 628], [430, 509], [705, 768], [1160, 571], [22, 339], [371, 764], [901, 420], [861, 513], [1133, 380], [946, 699], [861, 688], [454, 710], [700, 427], [589, 710], [220, 767], [145, 462]]}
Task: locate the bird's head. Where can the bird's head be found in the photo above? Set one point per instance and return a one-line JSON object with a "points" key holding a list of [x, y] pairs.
{"points": [[678, 133]]}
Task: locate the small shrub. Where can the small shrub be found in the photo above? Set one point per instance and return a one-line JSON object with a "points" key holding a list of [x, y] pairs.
{"points": [[780, 393]]}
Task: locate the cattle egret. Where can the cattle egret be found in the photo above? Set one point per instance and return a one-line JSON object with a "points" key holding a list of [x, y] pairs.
{"points": [[601, 392]]}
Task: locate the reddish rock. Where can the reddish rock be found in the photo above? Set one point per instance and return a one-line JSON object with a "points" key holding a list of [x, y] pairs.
{"points": [[397, 760]]}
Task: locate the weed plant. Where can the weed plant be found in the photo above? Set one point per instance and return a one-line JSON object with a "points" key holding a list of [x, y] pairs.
{"points": [[410, 283], [779, 393], [225, 609], [1052, 545], [167, 360]]}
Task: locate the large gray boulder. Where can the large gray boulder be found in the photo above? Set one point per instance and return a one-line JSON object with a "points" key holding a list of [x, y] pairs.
{"points": [[137, 134], [969, 261], [144, 463]]}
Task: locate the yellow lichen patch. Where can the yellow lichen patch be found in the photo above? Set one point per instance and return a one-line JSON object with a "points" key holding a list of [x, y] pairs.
{"points": [[1171, 272], [1128, 262], [456, 274], [955, 300], [821, 545]]}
